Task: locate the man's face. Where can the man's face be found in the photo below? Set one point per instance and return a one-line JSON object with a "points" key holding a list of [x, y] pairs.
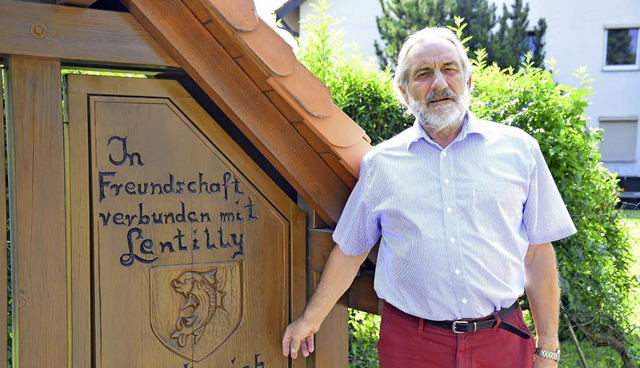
{"points": [[437, 91]]}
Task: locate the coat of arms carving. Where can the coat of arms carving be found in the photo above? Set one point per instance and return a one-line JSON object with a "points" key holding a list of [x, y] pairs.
{"points": [[195, 308]]}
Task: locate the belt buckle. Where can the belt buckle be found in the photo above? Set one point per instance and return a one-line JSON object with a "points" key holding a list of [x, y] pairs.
{"points": [[454, 325]]}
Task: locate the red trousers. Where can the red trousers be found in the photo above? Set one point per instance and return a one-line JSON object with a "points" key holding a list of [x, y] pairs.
{"points": [[405, 342]]}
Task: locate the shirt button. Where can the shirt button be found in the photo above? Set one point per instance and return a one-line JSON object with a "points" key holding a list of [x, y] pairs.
{"points": [[452, 239], [444, 154], [446, 181], [449, 209], [457, 272], [464, 301]]}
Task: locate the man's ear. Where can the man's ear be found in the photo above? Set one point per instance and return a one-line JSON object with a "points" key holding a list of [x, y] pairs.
{"points": [[404, 94], [469, 84]]}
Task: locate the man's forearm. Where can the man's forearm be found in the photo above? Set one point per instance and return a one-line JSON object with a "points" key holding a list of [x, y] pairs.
{"points": [[337, 276], [543, 292]]}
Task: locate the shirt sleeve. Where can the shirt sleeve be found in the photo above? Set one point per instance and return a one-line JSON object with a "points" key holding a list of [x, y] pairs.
{"points": [[358, 228], [545, 215]]}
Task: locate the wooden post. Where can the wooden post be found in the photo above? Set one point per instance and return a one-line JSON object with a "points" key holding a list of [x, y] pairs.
{"points": [[3, 253], [332, 341], [36, 182]]}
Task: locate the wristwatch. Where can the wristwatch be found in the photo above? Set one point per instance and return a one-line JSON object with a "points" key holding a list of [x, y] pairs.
{"points": [[553, 355]]}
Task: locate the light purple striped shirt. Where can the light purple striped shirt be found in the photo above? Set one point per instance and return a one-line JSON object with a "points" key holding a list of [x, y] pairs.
{"points": [[455, 223]]}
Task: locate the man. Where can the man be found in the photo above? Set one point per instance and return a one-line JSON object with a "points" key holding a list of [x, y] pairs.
{"points": [[465, 211]]}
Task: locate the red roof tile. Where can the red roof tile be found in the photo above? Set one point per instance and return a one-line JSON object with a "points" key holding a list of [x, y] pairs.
{"points": [[239, 14]]}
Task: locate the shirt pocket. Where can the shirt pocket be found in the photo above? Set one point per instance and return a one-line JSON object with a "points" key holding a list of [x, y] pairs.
{"points": [[497, 209]]}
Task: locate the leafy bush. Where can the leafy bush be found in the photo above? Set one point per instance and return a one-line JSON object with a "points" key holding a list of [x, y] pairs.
{"points": [[364, 331], [594, 264]]}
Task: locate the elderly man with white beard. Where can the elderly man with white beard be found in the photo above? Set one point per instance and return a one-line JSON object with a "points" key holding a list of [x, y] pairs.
{"points": [[465, 211]]}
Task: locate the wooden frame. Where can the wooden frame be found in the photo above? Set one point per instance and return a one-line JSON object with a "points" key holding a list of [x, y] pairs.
{"points": [[79, 88], [78, 35], [36, 40]]}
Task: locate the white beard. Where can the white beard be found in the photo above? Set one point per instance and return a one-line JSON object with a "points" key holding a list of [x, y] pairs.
{"points": [[441, 116]]}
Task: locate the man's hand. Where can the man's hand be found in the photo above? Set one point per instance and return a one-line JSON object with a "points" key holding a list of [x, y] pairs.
{"points": [[298, 335], [337, 276]]}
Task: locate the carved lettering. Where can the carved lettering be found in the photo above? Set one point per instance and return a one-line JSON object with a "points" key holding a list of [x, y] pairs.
{"points": [[144, 218], [193, 229], [146, 250], [257, 363], [250, 208], [145, 247], [110, 188], [125, 154]]}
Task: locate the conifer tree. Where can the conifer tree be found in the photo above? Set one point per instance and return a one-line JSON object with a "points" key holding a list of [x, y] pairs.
{"points": [[480, 17], [538, 43], [511, 41], [403, 17], [506, 37]]}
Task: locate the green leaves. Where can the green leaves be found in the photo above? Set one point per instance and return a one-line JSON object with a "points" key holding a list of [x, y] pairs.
{"points": [[363, 336]]}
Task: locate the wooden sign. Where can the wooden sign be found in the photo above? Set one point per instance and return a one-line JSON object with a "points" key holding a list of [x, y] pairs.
{"points": [[182, 248]]}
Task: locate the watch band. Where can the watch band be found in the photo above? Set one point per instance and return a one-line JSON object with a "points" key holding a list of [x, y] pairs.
{"points": [[553, 355]]}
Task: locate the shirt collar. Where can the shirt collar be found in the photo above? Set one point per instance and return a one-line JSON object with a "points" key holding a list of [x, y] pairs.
{"points": [[471, 125]]}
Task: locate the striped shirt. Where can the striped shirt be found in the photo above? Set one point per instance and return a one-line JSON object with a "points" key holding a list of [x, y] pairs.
{"points": [[455, 223]]}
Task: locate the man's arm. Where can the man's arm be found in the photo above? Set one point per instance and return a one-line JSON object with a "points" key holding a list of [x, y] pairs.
{"points": [[543, 291], [337, 276]]}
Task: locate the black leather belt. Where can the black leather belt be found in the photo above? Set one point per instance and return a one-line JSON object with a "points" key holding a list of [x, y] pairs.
{"points": [[463, 326]]}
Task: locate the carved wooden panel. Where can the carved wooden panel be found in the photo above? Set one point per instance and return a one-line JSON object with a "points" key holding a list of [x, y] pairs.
{"points": [[191, 246]]}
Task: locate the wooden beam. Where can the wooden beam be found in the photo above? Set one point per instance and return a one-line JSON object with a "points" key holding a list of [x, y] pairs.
{"points": [[79, 215], [3, 252], [320, 246], [37, 189], [332, 340], [362, 296], [77, 35], [80, 3], [206, 61]]}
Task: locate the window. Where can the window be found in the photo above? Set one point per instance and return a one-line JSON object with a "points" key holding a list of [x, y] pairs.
{"points": [[529, 43], [621, 48], [619, 139]]}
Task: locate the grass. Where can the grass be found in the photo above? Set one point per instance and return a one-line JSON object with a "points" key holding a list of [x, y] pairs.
{"points": [[632, 220], [600, 357]]}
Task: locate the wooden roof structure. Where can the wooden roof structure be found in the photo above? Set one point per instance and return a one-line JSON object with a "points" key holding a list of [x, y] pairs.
{"points": [[234, 56]]}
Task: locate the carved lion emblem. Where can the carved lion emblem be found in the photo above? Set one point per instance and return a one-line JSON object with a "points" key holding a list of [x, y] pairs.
{"points": [[202, 297]]}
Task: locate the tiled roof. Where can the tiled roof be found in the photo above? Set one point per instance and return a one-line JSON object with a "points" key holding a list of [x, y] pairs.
{"points": [[193, 30]]}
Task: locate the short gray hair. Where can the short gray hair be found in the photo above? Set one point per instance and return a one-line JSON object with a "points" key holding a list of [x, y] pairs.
{"points": [[421, 36]]}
